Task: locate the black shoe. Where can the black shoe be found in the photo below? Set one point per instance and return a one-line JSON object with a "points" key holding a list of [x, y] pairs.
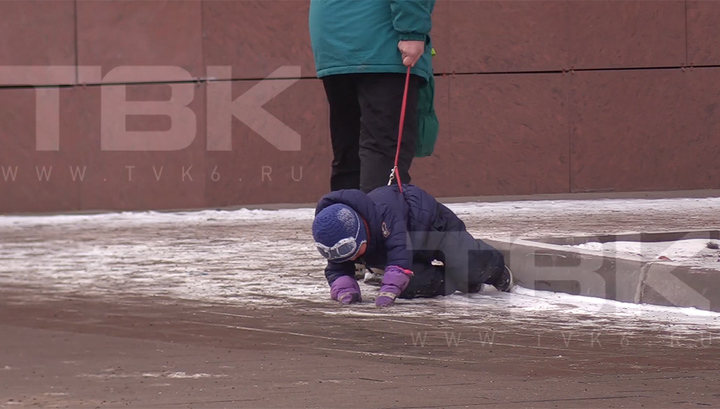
{"points": [[505, 283]]}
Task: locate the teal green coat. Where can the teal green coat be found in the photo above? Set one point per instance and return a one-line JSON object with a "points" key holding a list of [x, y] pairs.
{"points": [[361, 36]]}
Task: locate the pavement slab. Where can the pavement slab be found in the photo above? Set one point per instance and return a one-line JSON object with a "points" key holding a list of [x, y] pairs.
{"points": [[229, 310]]}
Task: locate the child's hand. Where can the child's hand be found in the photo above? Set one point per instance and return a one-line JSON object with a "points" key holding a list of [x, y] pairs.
{"points": [[346, 290], [385, 299], [349, 297], [394, 282]]}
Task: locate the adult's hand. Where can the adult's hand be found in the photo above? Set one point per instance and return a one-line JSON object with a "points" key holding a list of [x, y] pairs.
{"points": [[411, 51]]}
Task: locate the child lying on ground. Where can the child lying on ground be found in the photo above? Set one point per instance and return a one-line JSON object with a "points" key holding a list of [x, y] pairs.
{"points": [[404, 234]]}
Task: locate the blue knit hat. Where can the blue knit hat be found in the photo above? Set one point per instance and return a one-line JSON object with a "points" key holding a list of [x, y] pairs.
{"points": [[339, 232]]}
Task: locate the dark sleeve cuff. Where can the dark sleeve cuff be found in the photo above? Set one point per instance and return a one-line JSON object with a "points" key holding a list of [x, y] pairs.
{"points": [[413, 37]]}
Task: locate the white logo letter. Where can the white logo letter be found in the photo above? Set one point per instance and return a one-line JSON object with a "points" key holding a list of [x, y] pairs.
{"points": [[115, 108], [248, 109]]}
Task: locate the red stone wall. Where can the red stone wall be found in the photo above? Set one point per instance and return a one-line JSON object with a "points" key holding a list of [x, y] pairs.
{"points": [[533, 97]]}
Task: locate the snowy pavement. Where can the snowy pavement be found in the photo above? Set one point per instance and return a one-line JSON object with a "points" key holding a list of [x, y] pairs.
{"points": [[226, 309], [265, 258]]}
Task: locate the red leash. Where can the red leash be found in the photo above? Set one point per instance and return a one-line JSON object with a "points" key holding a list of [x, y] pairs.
{"points": [[395, 173]]}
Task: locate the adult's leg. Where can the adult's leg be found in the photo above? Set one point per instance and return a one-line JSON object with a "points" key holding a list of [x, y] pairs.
{"points": [[380, 97], [344, 131]]}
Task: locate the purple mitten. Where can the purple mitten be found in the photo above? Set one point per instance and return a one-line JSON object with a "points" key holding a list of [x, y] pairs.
{"points": [[394, 282], [346, 290]]}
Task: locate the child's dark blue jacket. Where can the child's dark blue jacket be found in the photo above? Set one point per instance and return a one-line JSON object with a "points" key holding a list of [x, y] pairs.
{"points": [[389, 215]]}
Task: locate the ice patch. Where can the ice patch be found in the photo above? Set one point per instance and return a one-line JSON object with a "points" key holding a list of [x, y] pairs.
{"points": [[170, 375], [267, 258]]}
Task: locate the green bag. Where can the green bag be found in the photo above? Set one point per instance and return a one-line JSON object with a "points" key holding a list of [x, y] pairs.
{"points": [[428, 126]]}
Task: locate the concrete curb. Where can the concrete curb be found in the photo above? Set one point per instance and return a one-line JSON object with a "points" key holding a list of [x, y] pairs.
{"points": [[548, 264]]}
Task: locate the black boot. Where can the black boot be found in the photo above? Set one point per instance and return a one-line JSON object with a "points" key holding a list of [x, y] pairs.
{"points": [[505, 282]]}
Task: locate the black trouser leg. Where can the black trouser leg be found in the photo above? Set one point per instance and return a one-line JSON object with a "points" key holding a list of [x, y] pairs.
{"points": [[427, 281], [380, 97], [489, 260], [344, 131], [469, 262]]}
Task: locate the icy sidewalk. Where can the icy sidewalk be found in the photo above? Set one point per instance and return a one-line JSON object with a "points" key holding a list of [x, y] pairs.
{"points": [[266, 258]]}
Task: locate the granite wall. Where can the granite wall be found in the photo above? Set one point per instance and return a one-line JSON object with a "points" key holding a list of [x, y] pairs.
{"points": [[127, 105]]}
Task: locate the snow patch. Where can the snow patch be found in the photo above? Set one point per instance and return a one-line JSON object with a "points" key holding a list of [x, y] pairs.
{"points": [[267, 258], [688, 251]]}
